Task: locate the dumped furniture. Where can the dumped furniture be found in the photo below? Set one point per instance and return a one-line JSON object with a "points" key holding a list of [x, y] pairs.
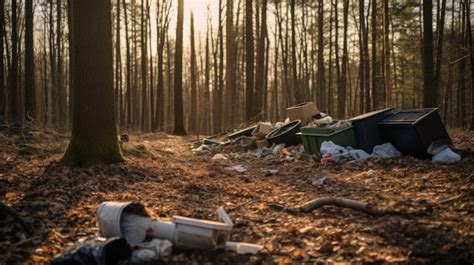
{"points": [[413, 131]]}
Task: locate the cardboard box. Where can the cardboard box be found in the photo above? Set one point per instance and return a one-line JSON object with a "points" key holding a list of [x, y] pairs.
{"points": [[303, 111]]}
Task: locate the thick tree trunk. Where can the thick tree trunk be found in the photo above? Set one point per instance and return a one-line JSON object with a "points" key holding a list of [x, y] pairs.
{"points": [[178, 75], [94, 133], [118, 72], [439, 50], [386, 50], [61, 91], [341, 95]]}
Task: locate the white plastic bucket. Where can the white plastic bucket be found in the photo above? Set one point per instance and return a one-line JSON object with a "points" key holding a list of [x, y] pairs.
{"points": [[109, 216]]}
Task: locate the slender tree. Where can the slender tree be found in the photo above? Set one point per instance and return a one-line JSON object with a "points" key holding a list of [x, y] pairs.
{"points": [[30, 95], [230, 80], [320, 75], [193, 114], [386, 50], [430, 98], [94, 133], [178, 75], [15, 103], [260, 71], [2, 61], [374, 86], [249, 64]]}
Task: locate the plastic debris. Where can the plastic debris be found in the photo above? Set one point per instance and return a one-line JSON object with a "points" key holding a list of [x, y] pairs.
{"points": [[96, 251], [243, 248], [238, 168], [359, 154], [270, 172], [386, 150], [442, 153], [328, 148], [151, 251], [203, 149], [318, 181], [219, 157], [224, 217]]}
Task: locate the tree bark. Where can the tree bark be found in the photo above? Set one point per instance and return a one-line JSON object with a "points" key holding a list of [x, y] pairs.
{"points": [[30, 93], [430, 98], [178, 75], [230, 80], [94, 132], [386, 49], [296, 90], [193, 114], [2, 66], [375, 88], [249, 64], [439, 50], [15, 105], [259, 102], [320, 76]]}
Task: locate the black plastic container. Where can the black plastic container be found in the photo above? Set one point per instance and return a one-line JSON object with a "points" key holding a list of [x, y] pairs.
{"points": [[285, 134], [244, 132], [367, 131], [412, 131]]}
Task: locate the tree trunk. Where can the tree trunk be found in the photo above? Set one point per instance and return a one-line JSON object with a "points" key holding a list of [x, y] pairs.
{"points": [[61, 92], [178, 75], [118, 72], [2, 61], [430, 98], [320, 76], [30, 94], [386, 49], [439, 50], [296, 90], [471, 57], [94, 133], [341, 95], [129, 69], [15, 104], [375, 88], [362, 55], [249, 64], [193, 114], [259, 103], [230, 81], [71, 59], [144, 71]]}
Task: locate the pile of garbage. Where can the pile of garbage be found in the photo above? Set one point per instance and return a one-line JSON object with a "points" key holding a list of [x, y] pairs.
{"points": [[385, 133], [129, 234]]}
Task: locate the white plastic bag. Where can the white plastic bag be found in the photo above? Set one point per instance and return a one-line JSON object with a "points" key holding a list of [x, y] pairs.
{"points": [[386, 150], [447, 156], [328, 148]]}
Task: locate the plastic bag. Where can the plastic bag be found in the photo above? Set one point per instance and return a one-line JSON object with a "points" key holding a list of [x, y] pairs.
{"points": [[96, 251], [152, 250], [446, 156], [386, 150], [359, 154], [328, 148]]}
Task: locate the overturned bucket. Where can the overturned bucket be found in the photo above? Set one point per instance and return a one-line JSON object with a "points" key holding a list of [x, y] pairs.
{"points": [[109, 216]]}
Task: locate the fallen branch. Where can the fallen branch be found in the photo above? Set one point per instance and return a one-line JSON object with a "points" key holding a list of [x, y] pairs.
{"points": [[333, 201], [340, 202]]}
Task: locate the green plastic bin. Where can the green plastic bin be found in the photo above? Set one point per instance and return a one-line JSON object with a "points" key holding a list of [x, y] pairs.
{"points": [[312, 141]]}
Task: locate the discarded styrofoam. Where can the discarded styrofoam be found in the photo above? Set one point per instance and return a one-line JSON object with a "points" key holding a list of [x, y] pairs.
{"points": [[224, 217], [243, 248], [200, 234], [151, 251]]}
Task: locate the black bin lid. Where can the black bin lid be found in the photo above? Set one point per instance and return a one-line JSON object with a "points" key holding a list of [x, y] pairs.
{"points": [[370, 114], [408, 116]]}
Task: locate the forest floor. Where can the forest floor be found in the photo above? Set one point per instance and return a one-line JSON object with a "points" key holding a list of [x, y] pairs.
{"points": [[57, 205]]}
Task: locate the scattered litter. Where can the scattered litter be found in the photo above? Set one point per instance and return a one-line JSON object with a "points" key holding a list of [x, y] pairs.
{"points": [[238, 168], [224, 217], [202, 150], [446, 156], [217, 157], [328, 148], [96, 251], [386, 150], [210, 142], [270, 172], [318, 181], [242, 248], [151, 251], [358, 154]]}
